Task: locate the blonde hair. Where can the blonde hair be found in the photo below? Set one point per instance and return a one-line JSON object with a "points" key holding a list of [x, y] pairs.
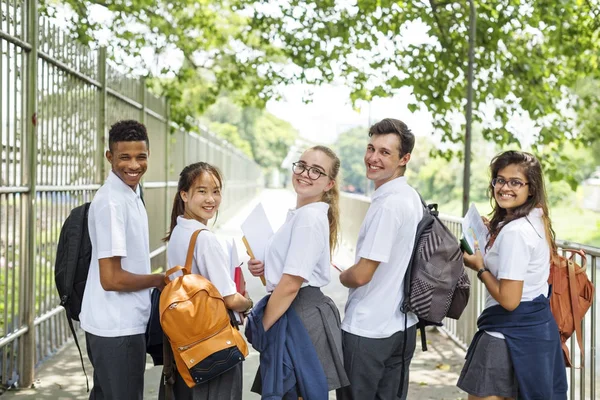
{"points": [[332, 197]]}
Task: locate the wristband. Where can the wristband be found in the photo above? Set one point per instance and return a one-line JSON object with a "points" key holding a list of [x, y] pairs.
{"points": [[481, 271]]}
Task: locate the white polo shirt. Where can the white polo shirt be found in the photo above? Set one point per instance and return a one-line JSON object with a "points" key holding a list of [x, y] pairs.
{"points": [[118, 226], [521, 253], [300, 247], [387, 235], [210, 259]]}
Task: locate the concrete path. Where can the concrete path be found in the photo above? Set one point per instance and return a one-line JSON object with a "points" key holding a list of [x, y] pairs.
{"points": [[433, 374]]}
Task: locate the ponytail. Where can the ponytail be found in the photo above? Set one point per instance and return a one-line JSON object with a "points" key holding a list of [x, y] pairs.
{"points": [[178, 209], [332, 198]]}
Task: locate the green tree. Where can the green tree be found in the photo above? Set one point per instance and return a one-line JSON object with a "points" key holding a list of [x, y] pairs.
{"points": [[260, 134], [350, 147], [230, 133], [528, 55], [272, 140]]}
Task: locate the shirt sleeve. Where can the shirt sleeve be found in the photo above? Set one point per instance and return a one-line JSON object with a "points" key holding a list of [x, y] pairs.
{"points": [[212, 257], [380, 236], [514, 255], [307, 243], [109, 226]]}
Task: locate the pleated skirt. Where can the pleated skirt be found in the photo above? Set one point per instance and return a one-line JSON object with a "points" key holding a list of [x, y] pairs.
{"points": [[322, 321]]}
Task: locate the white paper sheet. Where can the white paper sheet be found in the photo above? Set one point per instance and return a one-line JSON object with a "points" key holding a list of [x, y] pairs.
{"points": [[257, 230], [474, 229]]}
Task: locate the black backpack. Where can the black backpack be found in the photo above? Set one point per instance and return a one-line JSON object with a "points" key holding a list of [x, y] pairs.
{"points": [[73, 256]]}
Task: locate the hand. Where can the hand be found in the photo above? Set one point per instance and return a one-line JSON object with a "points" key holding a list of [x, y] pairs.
{"points": [[160, 284], [474, 261], [250, 305], [256, 267]]}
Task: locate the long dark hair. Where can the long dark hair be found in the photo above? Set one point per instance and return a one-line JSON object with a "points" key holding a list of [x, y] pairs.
{"points": [[531, 168], [332, 197], [187, 177]]}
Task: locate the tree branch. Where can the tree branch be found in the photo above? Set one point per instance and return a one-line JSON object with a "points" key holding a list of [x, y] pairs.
{"points": [[443, 38]]}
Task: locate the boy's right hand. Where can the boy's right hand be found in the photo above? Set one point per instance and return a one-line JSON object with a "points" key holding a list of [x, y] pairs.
{"points": [[160, 284], [256, 267]]}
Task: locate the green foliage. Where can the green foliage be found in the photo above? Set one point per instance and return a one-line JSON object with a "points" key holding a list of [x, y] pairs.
{"points": [[272, 140], [350, 147], [231, 134], [258, 133], [528, 55]]}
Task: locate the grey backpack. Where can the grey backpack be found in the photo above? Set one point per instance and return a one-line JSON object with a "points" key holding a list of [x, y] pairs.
{"points": [[436, 285]]}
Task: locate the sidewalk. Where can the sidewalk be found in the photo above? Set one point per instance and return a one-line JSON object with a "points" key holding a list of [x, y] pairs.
{"points": [[433, 374]]}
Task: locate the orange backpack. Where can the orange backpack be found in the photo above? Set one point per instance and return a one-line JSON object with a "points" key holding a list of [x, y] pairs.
{"points": [[572, 295], [195, 320]]}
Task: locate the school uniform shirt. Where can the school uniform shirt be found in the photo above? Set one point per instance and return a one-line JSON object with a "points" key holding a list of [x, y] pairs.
{"points": [[300, 247], [387, 235], [210, 259], [118, 227], [521, 253]]}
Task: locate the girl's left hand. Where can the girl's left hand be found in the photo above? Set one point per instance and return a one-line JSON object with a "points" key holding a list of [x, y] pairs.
{"points": [[474, 261]]}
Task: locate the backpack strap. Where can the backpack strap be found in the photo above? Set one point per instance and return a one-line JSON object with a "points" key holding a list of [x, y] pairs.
{"points": [[190, 254], [70, 321], [169, 369], [577, 317]]}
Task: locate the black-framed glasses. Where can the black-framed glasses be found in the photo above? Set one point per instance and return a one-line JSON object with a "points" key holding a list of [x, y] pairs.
{"points": [[314, 173], [511, 183]]}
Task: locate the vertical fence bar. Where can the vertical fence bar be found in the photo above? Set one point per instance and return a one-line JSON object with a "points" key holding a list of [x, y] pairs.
{"points": [[29, 214], [167, 168], [101, 117], [593, 321], [142, 89]]}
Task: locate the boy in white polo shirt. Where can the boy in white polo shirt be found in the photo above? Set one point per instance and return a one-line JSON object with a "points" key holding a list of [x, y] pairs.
{"points": [[116, 301], [377, 336]]}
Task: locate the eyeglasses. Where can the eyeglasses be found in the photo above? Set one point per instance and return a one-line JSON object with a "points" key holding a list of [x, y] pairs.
{"points": [[314, 173], [512, 183]]}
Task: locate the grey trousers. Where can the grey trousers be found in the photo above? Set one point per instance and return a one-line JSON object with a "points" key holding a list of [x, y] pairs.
{"points": [[374, 366], [119, 365]]}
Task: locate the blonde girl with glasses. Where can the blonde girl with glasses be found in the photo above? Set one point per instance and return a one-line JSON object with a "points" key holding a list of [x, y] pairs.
{"points": [[297, 262], [516, 352]]}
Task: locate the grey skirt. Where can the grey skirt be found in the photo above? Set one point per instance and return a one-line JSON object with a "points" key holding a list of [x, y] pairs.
{"points": [[488, 371], [321, 318]]}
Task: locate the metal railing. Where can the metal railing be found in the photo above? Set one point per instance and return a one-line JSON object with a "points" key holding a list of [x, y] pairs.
{"points": [[582, 382], [57, 101]]}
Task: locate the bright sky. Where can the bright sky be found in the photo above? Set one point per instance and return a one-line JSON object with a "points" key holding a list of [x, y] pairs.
{"points": [[331, 112]]}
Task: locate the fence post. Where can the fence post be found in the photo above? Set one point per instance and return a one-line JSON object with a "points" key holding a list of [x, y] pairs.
{"points": [[143, 118], [167, 166], [101, 134], [29, 214]]}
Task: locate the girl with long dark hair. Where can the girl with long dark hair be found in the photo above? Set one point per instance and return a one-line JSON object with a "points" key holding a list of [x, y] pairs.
{"points": [[516, 352]]}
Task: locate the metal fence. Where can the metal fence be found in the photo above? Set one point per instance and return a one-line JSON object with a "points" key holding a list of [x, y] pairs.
{"points": [[582, 382], [57, 100]]}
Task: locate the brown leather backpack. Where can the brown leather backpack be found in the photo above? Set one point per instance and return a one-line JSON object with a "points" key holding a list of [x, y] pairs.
{"points": [[196, 322], [572, 295]]}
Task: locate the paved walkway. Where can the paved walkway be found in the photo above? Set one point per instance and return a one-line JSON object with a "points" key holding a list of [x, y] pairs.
{"points": [[433, 374]]}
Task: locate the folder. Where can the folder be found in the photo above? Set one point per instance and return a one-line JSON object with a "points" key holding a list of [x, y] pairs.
{"points": [[257, 232], [474, 231]]}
